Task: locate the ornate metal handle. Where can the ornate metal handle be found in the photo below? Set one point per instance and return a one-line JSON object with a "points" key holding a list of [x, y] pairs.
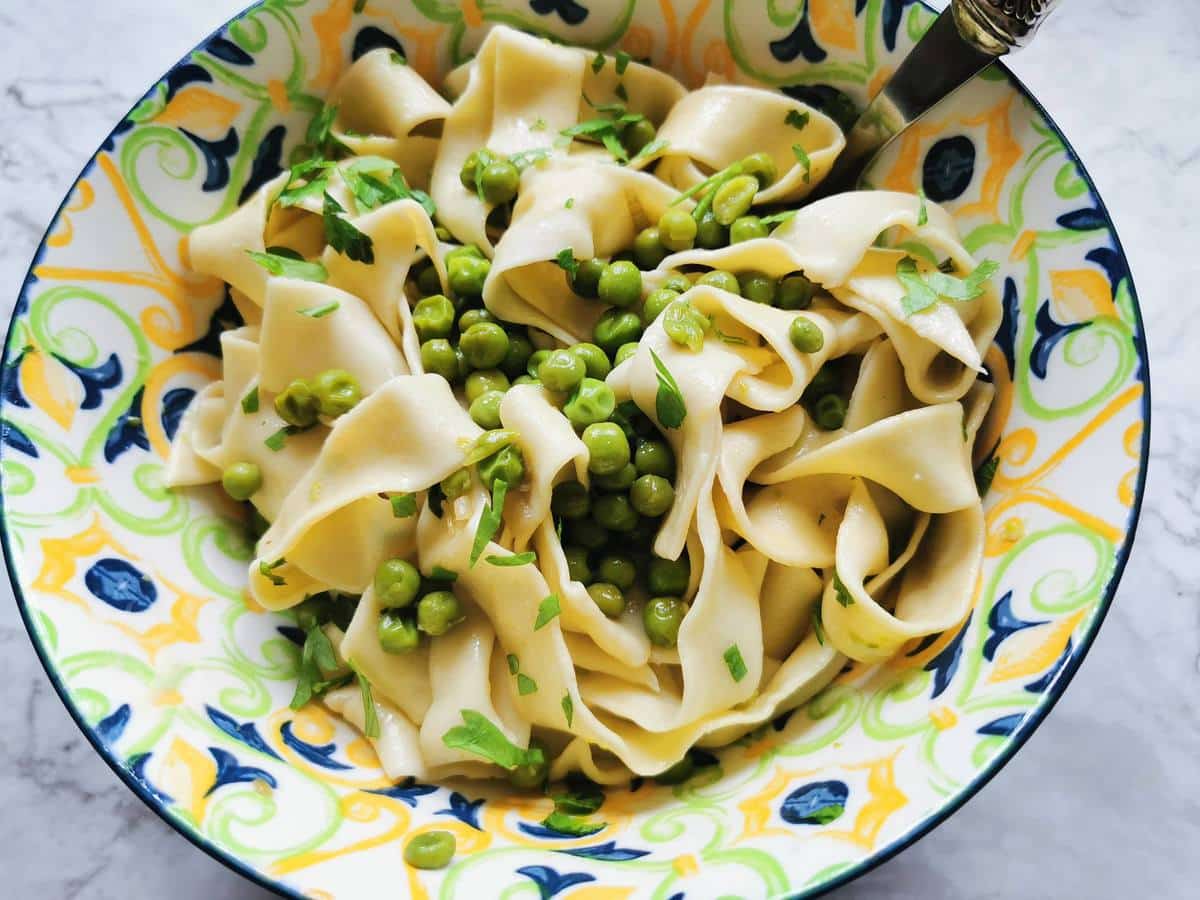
{"points": [[1000, 26]]}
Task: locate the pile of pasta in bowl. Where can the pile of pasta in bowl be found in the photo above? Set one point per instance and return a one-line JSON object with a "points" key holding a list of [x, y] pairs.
{"points": [[571, 435]]}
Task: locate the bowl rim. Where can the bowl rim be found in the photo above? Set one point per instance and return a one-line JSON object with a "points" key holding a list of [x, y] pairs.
{"points": [[1016, 740]]}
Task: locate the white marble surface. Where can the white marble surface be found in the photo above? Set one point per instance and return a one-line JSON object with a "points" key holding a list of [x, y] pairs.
{"points": [[1103, 800]]}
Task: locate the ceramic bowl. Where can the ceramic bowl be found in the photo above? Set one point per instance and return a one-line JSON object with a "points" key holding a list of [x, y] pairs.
{"points": [[133, 595]]}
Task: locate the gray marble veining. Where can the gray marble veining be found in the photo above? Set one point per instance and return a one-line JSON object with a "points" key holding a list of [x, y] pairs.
{"points": [[1102, 801]]}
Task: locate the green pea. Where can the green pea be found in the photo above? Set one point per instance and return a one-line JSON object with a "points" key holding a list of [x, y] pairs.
{"points": [[586, 533], [826, 381], [668, 576], [677, 229], [618, 569], [655, 303], [241, 480], [762, 167], [483, 381], [297, 404], [620, 284], [562, 370], [577, 564], [430, 850], [525, 379], [685, 325], [337, 392], [711, 234], [654, 457], [616, 327], [678, 773], [535, 361], [806, 335], [747, 228], [757, 287], [507, 464], [456, 484], [433, 317], [637, 135], [515, 360], [466, 251], [652, 495], [607, 446], [531, 775], [474, 317], [443, 234], [438, 357], [620, 480], [466, 275], [795, 292], [471, 165], [570, 500], [608, 597], [595, 359], [484, 345], [614, 512], [499, 182], [485, 409], [831, 412], [593, 402], [396, 583], [734, 198], [428, 280], [648, 250], [661, 617], [677, 282], [586, 280], [397, 634], [438, 612], [624, 352], [721, 279]]}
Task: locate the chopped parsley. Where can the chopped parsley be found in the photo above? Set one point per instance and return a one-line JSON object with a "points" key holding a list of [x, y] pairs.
{"points": [[343, 237], [489, 521], [250, 401], [297, 190], [486, 444], [319, 136], [582, 800], [515, 559], [985, 474], [922, 211], [572, 825], [527, 158], [287, 267], [267, 570], [568, 708], [818, 625], [924, 289], [650, 149], [442, 574], [797, 119], [397, 58], [479, 736], [606, 130], [802, 158], [320, 312], [598, 63], [316, 658], [565, 260], [548, 609], [669, 405], [539, 124], [844, 597], [734, 662], [525, 685], [623, 60], [370, 719], [274, 442], [403, 505], [621, 92], [568, 205], [514, 664]]}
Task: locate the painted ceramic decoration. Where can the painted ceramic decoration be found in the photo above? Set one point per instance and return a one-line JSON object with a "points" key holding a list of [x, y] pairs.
{"points": [[134, 595]]}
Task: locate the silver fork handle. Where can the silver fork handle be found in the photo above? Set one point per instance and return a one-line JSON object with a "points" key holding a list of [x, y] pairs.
{"points": [[1000, 26]]}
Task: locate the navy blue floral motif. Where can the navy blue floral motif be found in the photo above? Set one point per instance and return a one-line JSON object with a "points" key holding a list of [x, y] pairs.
{"points": [[181, 76], [799, 42], [137, 768], [95, 379], [406, 791], [246, 732], [608, 852], [945, 664], [121, 585], [1001, 727], [1043, 683], [1113, 263], [1006, 336], [292, 633], [127, 431], [550, 883], [267, 162], [1049, 334], [372, 38], [17, 439], [174, 405], [12, 381], [230, 771], [891, 16], [816, 803], [111, 727], [948, 168], [463, 809], [1003, 623], [1086, 219], [226, 50], [317, 755], [570, 12], [216, 157]]}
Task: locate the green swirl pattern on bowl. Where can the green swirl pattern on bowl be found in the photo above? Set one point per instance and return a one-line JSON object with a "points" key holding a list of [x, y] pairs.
{"points": [[133, 594]]}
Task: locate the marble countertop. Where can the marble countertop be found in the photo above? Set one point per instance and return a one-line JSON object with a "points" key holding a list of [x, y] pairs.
{"points": [[1124, 741]]}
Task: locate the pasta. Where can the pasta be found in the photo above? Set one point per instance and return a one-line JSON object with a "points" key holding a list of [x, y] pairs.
{"points": [[606, 447]]}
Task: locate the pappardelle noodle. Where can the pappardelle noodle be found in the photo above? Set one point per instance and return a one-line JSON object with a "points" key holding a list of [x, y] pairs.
{"points": [[571, 436]]}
